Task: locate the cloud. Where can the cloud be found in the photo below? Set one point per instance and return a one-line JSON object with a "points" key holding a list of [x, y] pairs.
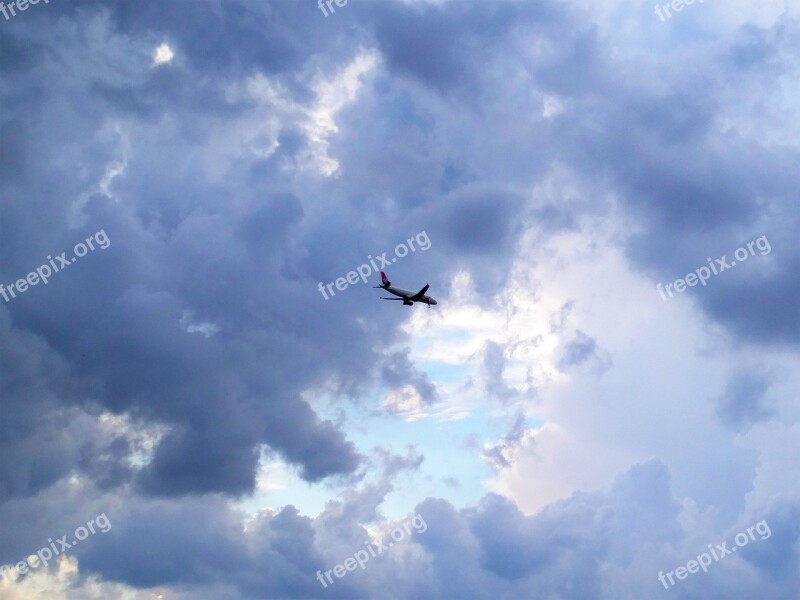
{"points": [[399, 371], [743, 403], [562, 158], [578, 351]]}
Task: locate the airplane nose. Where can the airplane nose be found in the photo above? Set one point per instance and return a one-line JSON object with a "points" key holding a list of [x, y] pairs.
{"points": [[434, 302]]}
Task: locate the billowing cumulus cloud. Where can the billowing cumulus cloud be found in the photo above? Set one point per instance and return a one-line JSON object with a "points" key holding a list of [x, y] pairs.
{"points": [[244, 432]]}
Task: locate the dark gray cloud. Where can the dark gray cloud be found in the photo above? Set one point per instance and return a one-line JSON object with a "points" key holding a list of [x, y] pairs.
{"points": [[743, 402], [494, 549], [432, 43], [580, 349], [699, 194], [398, 371], [494, 363], [616, 539], [208, 226], [176, 250], [395, 463], [499, 454]]}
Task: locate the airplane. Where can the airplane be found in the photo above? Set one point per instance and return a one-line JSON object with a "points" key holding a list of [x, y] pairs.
{"points": [[407, 297]]}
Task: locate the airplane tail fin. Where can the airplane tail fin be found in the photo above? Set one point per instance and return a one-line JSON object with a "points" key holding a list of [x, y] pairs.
{"points": [[385, 280]]}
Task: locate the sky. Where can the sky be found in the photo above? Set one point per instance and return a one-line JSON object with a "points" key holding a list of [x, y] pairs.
{"points": [[213, 402]]}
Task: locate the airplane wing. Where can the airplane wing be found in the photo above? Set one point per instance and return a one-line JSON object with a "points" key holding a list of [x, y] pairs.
{"points": [[418, 296], [382, 298]]}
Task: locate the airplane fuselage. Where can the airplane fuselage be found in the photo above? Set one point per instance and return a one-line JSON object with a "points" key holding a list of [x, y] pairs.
{"points": [[407, 296]]}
